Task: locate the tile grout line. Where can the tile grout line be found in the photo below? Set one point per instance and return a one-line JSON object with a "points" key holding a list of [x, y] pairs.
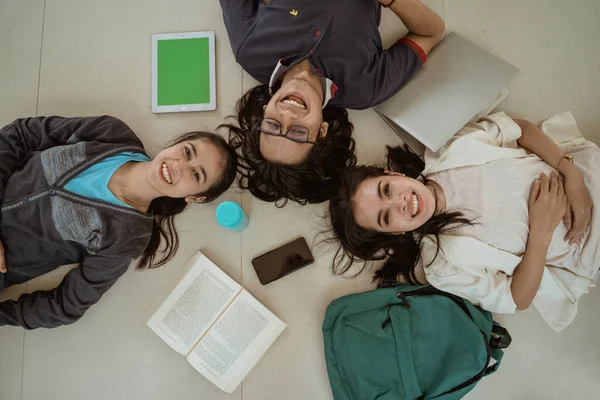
{"points": [[37, 102]]}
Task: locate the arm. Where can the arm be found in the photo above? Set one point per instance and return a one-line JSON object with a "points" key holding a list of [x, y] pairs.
{"points": [[426, 27], [239, 17], [242, 7], [547, 205], [397, 65], [528, 274], [580, 203], [536, 141], [81, 288]]}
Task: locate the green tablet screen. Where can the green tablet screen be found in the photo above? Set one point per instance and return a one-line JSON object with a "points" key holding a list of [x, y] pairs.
{"points": [[183, 70]]}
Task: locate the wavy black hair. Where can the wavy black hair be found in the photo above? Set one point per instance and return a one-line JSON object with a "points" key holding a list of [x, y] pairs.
{"points": [[164, 209], [400, 252], [308, 182]]}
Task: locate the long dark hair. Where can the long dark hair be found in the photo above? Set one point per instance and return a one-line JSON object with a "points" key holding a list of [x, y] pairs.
{"points": [[400, 252], [164, 209], [307, 182]]}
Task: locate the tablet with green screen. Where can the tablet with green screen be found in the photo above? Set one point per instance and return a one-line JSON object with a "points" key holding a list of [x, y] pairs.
{"points": [[183, 72]]}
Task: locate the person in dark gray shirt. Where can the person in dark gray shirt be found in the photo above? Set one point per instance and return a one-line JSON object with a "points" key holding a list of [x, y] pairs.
{"points": [[83, 190], [313, 58]]}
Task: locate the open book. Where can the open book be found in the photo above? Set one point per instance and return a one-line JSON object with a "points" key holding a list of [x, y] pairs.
{"points": [[221, 329]]}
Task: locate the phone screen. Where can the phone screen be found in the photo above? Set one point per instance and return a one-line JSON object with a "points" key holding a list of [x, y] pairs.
{"points": [[282, 261]]}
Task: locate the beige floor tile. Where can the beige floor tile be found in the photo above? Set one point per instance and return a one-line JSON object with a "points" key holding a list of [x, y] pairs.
{"points": [[20, 44], [542, 364], [97, 60], [11, 362], [110, 353], [372, 135], [11, 352], [556, 46], [248, 82]]}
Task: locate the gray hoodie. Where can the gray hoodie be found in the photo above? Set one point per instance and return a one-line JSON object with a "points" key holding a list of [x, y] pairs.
{"points": [[43, 226]]}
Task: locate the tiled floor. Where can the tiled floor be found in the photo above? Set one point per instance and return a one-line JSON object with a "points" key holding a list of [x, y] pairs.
{"points": [[83, 57]]}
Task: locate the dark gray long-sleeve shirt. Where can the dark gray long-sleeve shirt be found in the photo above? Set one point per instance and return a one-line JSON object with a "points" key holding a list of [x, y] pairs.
{"points": [[340, 38], [44, 226]]}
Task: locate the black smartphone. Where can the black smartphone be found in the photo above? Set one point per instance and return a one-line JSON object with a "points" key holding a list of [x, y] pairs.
{"points": [[282, 261]]}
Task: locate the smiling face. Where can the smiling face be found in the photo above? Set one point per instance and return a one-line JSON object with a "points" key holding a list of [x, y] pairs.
{"points": [[393, 203], [186, 169], [298, 102]]}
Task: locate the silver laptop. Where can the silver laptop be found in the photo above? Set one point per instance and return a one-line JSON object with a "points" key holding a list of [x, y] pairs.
{"points": [[460, 82]]}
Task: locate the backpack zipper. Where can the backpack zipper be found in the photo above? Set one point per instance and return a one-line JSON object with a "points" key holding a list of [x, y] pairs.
{"points": [[402, 297], [424, 291], [430, 290]]}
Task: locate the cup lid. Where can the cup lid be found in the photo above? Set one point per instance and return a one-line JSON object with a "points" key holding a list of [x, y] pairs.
{"points": [[229, 214]]}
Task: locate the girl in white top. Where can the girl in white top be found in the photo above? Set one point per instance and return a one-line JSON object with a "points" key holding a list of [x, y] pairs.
{"points": [[502, 216]]}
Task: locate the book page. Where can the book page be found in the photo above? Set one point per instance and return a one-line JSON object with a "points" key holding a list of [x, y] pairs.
{"points": [[236, 342], [194, 305]]}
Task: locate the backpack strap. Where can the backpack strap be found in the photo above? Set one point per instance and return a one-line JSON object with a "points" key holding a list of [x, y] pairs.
{"points": [[500, 337], [497, 355]]}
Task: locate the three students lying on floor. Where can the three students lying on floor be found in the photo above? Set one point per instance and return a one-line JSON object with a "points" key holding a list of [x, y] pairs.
{"points": [[502, 215]]}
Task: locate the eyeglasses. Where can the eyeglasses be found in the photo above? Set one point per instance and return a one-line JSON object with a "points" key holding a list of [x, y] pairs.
{"points": [[295, 133]]}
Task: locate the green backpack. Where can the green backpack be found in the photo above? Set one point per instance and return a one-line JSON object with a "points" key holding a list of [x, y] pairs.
{"points": [[408, 342]]}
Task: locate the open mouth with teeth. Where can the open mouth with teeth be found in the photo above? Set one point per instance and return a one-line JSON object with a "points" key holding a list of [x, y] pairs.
{"points": [[416, 204], [165, 173], [295, 101]]}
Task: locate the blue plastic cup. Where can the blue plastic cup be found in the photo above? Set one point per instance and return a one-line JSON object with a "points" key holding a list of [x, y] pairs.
{"points": [[231, 216]]}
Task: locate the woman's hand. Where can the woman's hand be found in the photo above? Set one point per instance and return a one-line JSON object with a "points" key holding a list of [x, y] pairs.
{"points": [[579, 203], [2, 259], [547, 207]]}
